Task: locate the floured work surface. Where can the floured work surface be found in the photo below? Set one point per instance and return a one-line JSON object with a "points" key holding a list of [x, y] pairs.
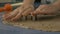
{"points": [[45, 24]]}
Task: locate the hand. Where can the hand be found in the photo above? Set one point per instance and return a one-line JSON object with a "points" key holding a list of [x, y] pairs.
{"points": [[46, 10], [24, 10]]}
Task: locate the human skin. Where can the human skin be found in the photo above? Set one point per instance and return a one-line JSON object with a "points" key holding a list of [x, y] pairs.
{"points": [[52, 9], [23, 10], [28, 8]]}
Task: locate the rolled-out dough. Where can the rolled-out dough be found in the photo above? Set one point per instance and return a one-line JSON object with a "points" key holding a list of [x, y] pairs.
{"points": [[51, 25]]}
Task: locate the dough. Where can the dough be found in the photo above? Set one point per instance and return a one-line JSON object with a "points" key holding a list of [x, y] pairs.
{"points": [[51, 24]]}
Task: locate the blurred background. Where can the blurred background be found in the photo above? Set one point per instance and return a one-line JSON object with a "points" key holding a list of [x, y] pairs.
{"points": [[2, 2], [6, 29]]}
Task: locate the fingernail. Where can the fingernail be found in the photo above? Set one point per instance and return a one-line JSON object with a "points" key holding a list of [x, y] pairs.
{"points": [[33, 14], [14, 19], [24, 14]]}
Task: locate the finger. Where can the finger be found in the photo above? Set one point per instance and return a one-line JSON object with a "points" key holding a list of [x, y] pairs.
{"points": [[12, 14], [33, 13], [27, 12], [36, 12], [16, 17], [21, 10], [4, 16]]}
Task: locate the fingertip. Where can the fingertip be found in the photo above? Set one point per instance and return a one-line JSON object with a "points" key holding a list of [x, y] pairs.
{"points": [[34, 13], [4, 16], [24, 14], [14, 19]]}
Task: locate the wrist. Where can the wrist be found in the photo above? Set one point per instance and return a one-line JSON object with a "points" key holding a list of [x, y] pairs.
{"points": [[25, 3], [56, 5], [28, 2]]}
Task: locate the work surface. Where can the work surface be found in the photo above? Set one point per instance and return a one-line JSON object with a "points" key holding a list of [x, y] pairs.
{"points": [[6, 29]]}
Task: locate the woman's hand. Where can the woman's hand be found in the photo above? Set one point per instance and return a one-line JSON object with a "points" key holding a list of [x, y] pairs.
{"points": [[23, 10], [46, 10]]}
